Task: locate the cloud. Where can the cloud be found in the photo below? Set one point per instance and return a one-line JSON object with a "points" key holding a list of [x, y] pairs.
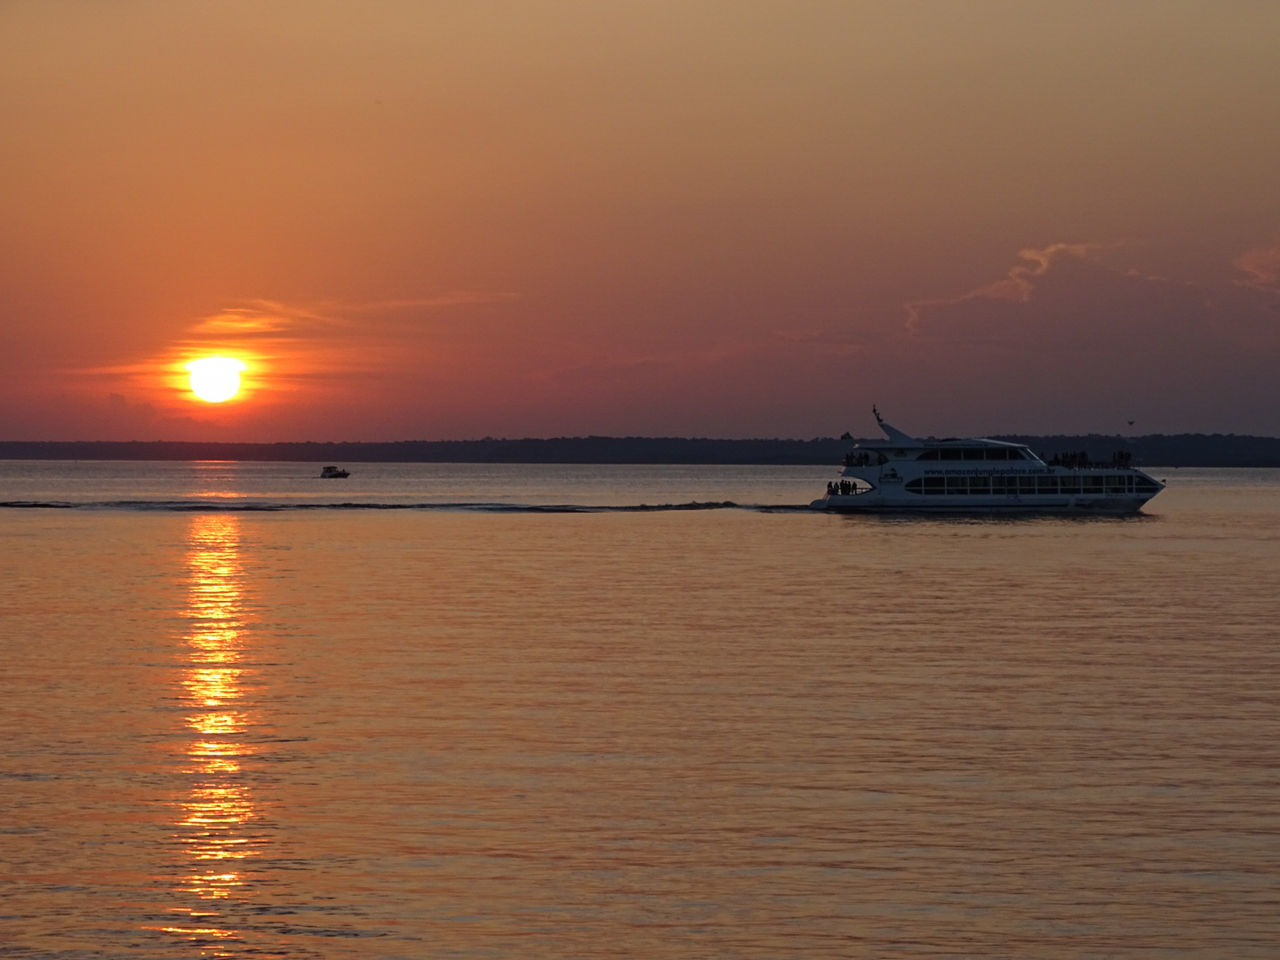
{"points": [[1261, 266], [1082, 294], [278, 321], [261, 320], [320, 352], [1080, 328], [357, 337], [457, 298], [1017, 286], [844, 340]]}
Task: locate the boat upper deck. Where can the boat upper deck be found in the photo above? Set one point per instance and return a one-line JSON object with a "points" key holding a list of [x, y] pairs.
{"points": [[898, 446]]}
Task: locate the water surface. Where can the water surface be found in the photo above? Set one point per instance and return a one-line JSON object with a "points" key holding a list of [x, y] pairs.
{"points": [[747, 733]]}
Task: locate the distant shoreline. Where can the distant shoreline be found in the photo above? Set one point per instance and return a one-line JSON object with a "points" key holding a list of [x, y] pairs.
{"points": [[1176, 450]]}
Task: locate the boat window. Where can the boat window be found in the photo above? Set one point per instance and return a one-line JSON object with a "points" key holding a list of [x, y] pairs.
{"points": [[913, 486], [979, 484], [1143, 485], [934, 485], [978, 454], [1047, 484], [928, 455], [1069, 484]]}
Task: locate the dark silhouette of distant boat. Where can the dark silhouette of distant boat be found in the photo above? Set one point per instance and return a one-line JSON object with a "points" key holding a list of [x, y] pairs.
{"points": [[333, 473]]}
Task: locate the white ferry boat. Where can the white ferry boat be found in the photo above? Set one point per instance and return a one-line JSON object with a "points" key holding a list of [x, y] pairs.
{"points": [[902, 473]]}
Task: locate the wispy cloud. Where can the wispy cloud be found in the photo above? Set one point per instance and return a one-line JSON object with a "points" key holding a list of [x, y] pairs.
{"points": [[329, 319], [300, 343], [313, 336], [456, 298], [844, 340], [1015, 287], [1261, 267], [261, 319]]}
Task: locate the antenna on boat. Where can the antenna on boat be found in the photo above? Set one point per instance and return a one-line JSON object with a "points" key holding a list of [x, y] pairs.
{"points": [[876, 413]]}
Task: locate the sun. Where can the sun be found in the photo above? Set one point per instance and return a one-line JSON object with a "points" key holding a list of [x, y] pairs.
{"points": [[216, 379]]}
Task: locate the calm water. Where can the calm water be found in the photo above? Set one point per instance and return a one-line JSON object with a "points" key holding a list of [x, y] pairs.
{"points": [[468, 729]]}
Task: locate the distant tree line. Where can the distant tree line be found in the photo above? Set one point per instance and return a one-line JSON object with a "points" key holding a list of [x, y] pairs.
{"points": [[1177, 450]]}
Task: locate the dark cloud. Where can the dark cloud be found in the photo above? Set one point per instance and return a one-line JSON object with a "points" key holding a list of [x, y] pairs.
{"points": [[1076, 325]]}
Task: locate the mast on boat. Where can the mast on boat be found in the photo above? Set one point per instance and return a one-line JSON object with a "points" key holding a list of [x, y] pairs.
{"points": [[892, 432]]}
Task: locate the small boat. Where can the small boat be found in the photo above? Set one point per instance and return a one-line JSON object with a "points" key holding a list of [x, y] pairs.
{"points": [[904, 474], [333, 473]]}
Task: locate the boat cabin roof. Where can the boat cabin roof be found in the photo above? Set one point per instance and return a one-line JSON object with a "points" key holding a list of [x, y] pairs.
{"points": [[926, 443], [903, 446], [897, 440]]}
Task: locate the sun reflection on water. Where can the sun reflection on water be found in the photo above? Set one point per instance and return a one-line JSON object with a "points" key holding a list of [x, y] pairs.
{"points": [[215, 825]]}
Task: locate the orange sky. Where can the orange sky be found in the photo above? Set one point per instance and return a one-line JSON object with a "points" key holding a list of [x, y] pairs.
{"points": [[706, 217]]}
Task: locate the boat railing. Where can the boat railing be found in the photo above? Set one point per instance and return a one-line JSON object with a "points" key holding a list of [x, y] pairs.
{"points": [[1081, 460]]}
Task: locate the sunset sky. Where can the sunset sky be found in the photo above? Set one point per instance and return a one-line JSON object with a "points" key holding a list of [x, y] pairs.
{"points": [[729, 218]]}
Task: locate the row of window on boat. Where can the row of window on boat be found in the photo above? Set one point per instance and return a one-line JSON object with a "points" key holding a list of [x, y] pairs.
{"points": [[1027, 484], [1015, 485]]}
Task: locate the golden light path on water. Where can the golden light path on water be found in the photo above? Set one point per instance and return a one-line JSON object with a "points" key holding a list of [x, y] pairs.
{"points": [[213, 820]]}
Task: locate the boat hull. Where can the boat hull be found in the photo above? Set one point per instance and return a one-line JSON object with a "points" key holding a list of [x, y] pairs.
{"points": [[871, 502]]}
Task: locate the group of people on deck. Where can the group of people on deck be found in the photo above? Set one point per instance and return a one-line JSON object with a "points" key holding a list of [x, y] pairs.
{"points": [[1081, 458]]}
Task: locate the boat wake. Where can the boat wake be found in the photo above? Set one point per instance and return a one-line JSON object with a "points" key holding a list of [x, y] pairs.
{"points": [[279, 506]]}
